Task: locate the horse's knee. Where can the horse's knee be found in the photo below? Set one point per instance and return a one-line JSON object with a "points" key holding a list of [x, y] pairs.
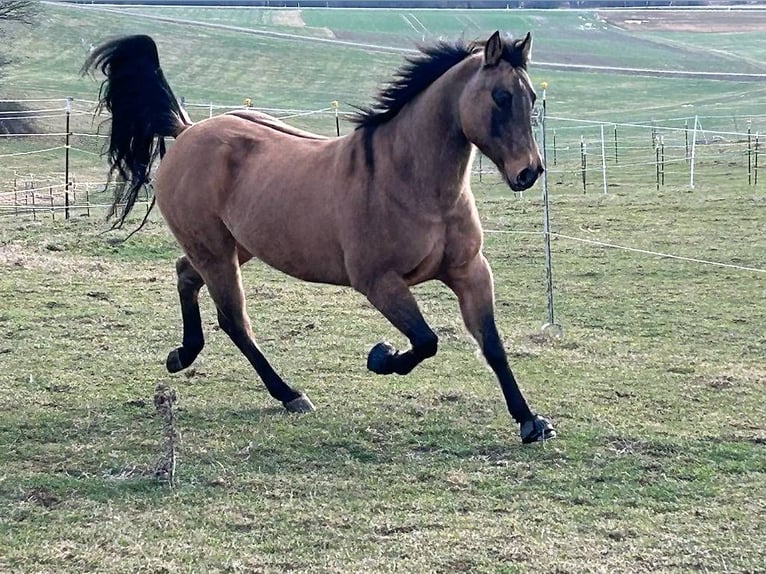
{"points": [[427, 348]]}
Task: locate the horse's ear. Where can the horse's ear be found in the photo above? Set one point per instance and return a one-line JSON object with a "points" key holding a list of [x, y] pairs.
{"points": [[525, 47], [493, 50]]}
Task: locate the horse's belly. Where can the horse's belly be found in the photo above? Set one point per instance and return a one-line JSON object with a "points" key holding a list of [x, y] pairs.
{"points": [[307, 252], [321, 270]]}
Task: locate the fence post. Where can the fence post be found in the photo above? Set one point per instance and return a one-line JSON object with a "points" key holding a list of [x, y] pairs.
{"points": [[657, 167], [694, 151], [686, 138], [662, 160], [603, 158], [66, 158], [550, 327], [755, 159], [749, 156], [337, 120], [615, 145], [583, 162]]}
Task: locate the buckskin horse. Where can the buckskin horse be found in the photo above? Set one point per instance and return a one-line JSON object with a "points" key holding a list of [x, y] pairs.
{"points": [[380, 209]]}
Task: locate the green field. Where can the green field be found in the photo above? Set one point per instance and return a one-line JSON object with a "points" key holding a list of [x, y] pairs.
{"points": [[205, 63], [656, 388]]}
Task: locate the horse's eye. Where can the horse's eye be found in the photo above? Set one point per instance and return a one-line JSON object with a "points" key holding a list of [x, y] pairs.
{"points": [[502, 98]]}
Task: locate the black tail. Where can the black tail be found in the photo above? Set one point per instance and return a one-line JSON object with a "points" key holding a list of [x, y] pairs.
{"points": [[144, 111]]}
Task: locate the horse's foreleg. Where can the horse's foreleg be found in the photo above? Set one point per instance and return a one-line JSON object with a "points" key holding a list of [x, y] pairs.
{"points": [[473, 286], [225, 287], [189, 284], [392, 297]]}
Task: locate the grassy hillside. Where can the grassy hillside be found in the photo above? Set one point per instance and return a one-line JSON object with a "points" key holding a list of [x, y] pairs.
{"points": [[305, 68], [225, 66]]}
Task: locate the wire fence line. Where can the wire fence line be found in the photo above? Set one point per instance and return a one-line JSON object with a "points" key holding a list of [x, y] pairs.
{"points": [[32, 182], [610, 245], [582, 152], [657, 148]]}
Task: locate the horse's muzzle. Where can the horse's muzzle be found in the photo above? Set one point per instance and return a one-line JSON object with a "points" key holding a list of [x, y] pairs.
{"points": [[526, 178]]}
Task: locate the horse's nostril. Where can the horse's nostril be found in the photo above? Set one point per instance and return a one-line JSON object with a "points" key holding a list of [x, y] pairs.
{"points": [[527, 177]]}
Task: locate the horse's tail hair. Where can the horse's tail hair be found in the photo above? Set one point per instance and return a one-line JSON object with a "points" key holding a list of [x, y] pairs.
{"points": [[144, 112]]}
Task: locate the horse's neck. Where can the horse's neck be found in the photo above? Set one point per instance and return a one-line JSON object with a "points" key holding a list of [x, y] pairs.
{"points": [[427, 135]]}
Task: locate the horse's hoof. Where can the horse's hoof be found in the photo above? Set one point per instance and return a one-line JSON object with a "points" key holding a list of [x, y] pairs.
{"points": [[174, 363], [379, 359], [301, 404], [537, 429]]}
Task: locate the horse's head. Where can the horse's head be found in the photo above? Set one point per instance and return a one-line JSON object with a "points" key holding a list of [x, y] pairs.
{"points": [[496, 111]]}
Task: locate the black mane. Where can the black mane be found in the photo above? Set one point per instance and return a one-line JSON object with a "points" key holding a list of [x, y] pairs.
{"points": [[417, 73], [420, 71]]}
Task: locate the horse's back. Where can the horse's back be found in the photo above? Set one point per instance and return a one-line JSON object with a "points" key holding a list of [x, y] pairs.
{"points": [[275, 124], [260, 181], [219, 153]]}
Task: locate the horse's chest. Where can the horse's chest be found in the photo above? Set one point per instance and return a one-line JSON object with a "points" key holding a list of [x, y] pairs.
{"points": [[429, 263]]}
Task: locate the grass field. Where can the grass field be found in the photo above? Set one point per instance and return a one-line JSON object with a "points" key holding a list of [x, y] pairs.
{"points": [[656, 387]]}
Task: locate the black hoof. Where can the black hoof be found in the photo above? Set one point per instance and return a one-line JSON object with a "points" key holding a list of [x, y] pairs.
{"points": [[301, 404], [537, 429], [379, 359], [174, 362]]}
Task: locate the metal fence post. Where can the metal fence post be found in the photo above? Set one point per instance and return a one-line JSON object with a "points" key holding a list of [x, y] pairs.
{"points": [[66, 157], [550, 327]]}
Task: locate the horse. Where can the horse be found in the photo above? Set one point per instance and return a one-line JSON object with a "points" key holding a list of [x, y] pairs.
{"points": [[380, 209]]}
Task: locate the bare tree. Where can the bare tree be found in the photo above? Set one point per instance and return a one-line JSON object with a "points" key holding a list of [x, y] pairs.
{"points": [[23, 11]]}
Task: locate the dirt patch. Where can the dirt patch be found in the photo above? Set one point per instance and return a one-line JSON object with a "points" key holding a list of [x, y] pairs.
{"points": [[291, 18], [42, 496], [42, 258], [735, 379], [294, 19], [687, 20], [18, 256]]}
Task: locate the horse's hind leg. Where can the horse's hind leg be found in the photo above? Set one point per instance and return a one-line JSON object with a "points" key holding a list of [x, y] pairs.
{"points": [[224, 282], [189, 284]]}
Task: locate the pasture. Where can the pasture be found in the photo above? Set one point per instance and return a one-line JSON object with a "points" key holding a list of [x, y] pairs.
{"points": [[656, 388]]}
